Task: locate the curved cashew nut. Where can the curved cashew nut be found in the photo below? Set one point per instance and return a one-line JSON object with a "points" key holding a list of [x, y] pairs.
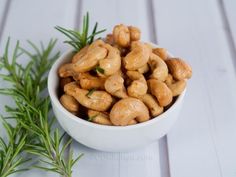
{"points": [[135, 33], [95, 52], [69, 103], [158, 67], [138, 56], [152, 104], [98, 100], [121, 35], [88, 81], [138, 86], [115, 86], [80, 54], [66, 70], [143, 69], [177, 87], [112, 63], [99, 117], [160, 91], [161, 52], [128, 109], [179, 68]]}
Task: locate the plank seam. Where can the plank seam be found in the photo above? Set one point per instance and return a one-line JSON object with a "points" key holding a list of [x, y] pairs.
{"points": [[4, 17], [229, 34], [152, 20]]}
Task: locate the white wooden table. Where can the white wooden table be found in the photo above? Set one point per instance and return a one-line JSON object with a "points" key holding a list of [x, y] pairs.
{"points": [[203, 141]]}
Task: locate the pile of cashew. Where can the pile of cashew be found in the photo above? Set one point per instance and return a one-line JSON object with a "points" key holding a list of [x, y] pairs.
{"points": [[120, 80]]}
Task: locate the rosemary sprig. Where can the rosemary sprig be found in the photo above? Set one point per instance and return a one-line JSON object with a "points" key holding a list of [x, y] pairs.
{"points": [[32, 108], [90, 92], [78, 39]]}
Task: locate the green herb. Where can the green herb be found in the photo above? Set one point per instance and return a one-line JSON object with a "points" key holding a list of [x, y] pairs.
{"points": [[90, 92], [78, 39], [98, 69], [34, 132], [92, 117]]}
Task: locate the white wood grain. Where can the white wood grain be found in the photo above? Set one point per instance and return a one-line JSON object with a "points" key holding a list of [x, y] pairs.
{"points": [[35, 20], [202, 143], [139, 163], [230, 7]]}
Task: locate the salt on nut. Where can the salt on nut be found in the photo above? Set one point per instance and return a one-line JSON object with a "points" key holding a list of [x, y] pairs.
{"points": [[138, 86], [99, 117], [98, 100], [87, 81], [135, 33], [158, 67], [115, 86], [121, 35], [179, 68], [128, 109], [95, 52], [138, 56], [69, 103], [161, 91], [161, 52], [112, 62], [152, 104]]}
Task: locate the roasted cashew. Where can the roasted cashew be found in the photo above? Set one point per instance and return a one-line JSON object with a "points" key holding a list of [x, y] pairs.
{"points": [[132, 122], [138, 86], [95, 52], [115, 86], [169, 80], [161, 52], [121, 35], [177, 87], [88, 81], [66, 70], [69, 103], [98, 100], [128, 109], [161, 91], [112, 63], [80, 54], [143, 69], [99, 117], [158, 67], [138, 56], [152, 104], [135, 33], [179, 68]]}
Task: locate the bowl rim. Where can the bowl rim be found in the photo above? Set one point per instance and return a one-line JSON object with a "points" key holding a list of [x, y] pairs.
{"points": [[54, 99]]}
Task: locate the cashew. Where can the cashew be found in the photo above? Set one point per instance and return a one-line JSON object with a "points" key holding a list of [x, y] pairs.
{"points": [[169, 80], [109, 39], [80, 54], [179, 68], [152, 104], [99, 117], [66, 70], [160, 91], [115, 86], [128, 109], [135, 33], [121, 35], [161, 52], [132, 122], [158, 67], [138, 56], [138, 86], [69, 103], [64, 81], [88, 81], [95, 52], [98, 100], [178, 87], [143, 69], [112, 63]]}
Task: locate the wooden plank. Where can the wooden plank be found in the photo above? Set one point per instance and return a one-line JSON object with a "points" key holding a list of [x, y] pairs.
{"points": [[35, 20], [139, 163], [202, 143], [3, 11]]}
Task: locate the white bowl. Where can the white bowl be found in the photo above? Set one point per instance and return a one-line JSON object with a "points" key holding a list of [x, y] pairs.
{"points": [[109, 138]]}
